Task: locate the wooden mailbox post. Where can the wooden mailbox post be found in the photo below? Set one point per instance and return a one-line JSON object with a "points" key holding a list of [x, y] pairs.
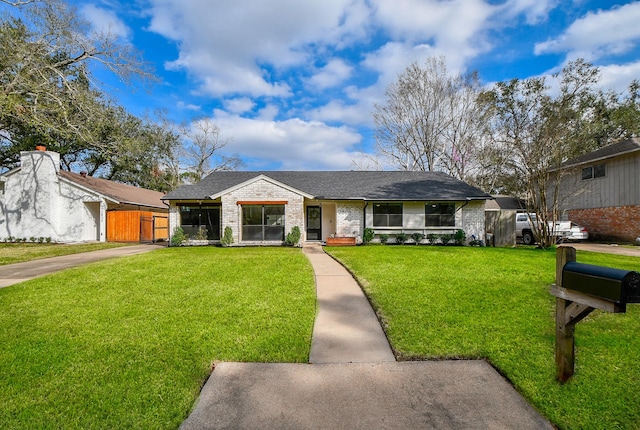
{"points": [[574, 302]]}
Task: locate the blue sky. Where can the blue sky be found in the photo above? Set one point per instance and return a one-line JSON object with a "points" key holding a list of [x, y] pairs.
{"points": [[293, 83]]}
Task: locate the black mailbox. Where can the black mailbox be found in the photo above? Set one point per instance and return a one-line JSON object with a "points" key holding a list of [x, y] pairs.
{"points": [[619, 286]]}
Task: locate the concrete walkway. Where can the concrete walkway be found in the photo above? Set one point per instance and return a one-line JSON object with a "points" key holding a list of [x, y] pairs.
{"points": [[354, 381], [20, 272]]}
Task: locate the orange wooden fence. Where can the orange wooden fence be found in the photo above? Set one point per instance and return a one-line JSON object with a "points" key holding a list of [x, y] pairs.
{"points": [[137, 226]]}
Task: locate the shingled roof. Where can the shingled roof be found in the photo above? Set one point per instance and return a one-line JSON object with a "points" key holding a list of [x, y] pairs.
{"points": [[120, 193], [343, 185], [613, 150]]}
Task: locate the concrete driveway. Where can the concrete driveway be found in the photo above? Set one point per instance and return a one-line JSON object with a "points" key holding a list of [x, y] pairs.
{"points": [[605, 248], [20, 272]]}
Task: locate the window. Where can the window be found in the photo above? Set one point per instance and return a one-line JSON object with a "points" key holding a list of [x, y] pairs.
{"points": [[195, 218], [592, 172], [440, 215], [387, 215], [262, 222]]}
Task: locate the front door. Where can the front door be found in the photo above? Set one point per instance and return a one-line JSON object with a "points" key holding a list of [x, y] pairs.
{"points": [[314, 223]]}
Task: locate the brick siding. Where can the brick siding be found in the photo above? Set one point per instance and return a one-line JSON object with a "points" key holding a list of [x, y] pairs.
{"points": [[620, 223]]}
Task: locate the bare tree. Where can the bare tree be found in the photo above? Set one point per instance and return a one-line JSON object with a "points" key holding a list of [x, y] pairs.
{"points": [[200, 151], [430, 120]]}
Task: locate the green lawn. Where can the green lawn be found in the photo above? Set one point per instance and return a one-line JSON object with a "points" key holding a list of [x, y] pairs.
{"points": [[462, 302], [19, 252], [128, 343]]}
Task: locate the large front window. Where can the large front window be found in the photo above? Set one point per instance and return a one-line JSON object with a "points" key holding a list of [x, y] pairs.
{"points": [[440, 215], [201, 221], [262, 222], [387, 215]]}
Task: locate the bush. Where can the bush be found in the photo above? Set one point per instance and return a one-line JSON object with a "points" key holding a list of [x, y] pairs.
{"points": [[178, 237], [368, 235], [446, 238], [293, 238], [459, 237], [432, 238], [201, 234], [417, 237], [384, 238], [401, 238], [227, 236]]}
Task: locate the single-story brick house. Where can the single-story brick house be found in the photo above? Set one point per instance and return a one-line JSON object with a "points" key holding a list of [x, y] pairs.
{"points": [[38, 199], [262, 207], [601, 191]]}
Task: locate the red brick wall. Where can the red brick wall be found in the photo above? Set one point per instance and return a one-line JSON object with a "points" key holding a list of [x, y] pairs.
{"points": [[620, 223]]}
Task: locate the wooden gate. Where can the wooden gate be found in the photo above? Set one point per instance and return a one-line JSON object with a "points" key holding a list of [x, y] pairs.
{"points": [[154, 228]]}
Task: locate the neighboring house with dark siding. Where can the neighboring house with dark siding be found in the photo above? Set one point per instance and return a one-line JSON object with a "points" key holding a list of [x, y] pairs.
{"points": [[601, 191], [262, 207]]}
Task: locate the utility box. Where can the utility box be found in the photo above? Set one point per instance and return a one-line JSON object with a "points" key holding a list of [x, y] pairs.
{"points": [[616, 285]]}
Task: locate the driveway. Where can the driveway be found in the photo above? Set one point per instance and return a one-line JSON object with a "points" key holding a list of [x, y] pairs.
{"points": [[20, 272], [605, 248]]}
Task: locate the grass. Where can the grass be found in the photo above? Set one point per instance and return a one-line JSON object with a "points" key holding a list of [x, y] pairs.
{"points": [[20, 252], [128, 343], [450, 302]]}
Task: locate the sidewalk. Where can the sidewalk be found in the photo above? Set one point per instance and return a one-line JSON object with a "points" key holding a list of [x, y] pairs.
{"points": [[20, 272], [354, 381]]}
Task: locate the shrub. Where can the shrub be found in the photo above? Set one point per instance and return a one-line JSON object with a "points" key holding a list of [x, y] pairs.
{"points": [[201, 234], [32, 239], [459, 237], [417, 237], [384, 238], [47, 239], [368, 235], [433, 238], [178, 237], [227, 237], [293, 237], [401, 238], [446, 238], [41, 240]]}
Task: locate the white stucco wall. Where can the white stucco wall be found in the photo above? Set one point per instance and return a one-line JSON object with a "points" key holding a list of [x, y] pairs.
{"points": [[36, 202]]}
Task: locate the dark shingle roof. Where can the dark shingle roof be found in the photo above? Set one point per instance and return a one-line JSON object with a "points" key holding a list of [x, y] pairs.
{"points": [[502, 202], [618, 148], [121, 193], [345, 185]]}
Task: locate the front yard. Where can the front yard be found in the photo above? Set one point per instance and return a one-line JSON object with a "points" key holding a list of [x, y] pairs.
{"points": [[449, 302], [128, 343]]}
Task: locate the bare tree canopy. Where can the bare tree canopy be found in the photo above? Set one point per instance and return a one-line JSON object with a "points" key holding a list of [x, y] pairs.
{"points": [[430, 120], [200, 150]]}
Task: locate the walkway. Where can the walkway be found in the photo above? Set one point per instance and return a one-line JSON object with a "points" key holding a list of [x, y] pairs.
{"points": [[354, 381]]}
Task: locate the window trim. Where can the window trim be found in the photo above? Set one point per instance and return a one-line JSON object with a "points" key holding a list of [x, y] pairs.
{"points": [[387, 214], [440, 215], [594, 171], [263, 204]]}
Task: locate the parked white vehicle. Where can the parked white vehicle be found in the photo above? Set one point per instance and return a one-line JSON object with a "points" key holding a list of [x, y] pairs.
{"points": [[564, 230]]}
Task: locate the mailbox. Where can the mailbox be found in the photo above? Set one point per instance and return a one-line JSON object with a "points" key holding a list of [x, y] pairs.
{"points": [[619, 286]]}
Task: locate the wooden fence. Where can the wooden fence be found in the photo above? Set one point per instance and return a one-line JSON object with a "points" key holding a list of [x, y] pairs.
{"points": [[137, 226]]}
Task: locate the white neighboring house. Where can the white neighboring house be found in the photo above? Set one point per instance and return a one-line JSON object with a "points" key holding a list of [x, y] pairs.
{"points": [[38, 199]]}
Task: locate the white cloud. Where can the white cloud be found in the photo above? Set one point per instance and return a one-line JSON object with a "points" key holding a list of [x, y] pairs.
{"points": [[333, 73], [534, 11], [232, 47], [618, 76], [615, 31], [239, 105], [292, 144], [105, 21]]}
